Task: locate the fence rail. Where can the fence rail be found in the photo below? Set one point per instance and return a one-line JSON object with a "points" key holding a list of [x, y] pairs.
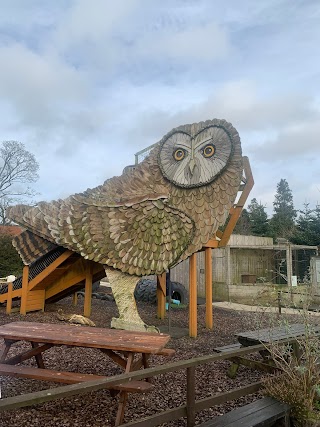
{"points": [[188, 410]]}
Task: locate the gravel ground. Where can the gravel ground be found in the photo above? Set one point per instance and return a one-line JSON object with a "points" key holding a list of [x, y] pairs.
{"points": [[99, 408]]}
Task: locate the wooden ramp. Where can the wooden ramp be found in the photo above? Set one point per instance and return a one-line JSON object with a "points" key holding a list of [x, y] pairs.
{"points": [[56, 275]]}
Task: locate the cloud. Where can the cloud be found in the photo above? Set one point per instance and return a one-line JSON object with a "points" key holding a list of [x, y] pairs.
{"points": [[250, 110], [38, 87], [295, 142], [84, 22], [240, 103], [137, 39], [205, 43]]}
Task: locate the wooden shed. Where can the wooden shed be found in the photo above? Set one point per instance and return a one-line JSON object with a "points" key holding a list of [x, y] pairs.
{"points": [[247, 260]]}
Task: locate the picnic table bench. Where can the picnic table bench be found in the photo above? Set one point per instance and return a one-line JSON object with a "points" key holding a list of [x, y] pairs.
{"points": [[128, 349], [263, 412]]}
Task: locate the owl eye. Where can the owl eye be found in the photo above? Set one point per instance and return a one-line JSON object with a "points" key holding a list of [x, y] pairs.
{"points": [[208, 151], [179, 154]]}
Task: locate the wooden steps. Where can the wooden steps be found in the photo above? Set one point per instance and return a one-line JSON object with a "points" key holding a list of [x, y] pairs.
{"points": [[48, 282]]}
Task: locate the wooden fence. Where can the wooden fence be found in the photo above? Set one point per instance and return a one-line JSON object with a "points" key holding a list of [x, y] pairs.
{"points": [[188, 410]]}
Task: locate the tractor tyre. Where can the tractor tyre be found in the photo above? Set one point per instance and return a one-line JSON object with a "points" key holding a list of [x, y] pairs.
{"points": [[146, 291], [179, 292]]}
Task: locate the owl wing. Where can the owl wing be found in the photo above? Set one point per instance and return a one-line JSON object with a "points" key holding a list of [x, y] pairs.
{"points": [[141, 184], [143, 238]]}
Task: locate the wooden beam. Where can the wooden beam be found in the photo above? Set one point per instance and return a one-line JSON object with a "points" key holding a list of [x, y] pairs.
{"points": [[75, 299], [34, 282], [193, 296], [24, 293], [273, 247], [161, 295], [9, 300], [208, 285], [236, 210], [228, 266], [249, 182], [15, 294], [76, 273], [61, 286], [212, 243], [88, 289]]}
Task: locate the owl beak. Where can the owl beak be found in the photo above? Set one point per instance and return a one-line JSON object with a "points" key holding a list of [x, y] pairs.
{"points": [[192, 165]]}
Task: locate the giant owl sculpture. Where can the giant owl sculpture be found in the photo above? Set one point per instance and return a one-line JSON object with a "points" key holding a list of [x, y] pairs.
{"points": [[148, 220]]}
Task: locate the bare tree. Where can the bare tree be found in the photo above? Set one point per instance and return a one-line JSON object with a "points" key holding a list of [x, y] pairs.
{"points": [[18, 168]]}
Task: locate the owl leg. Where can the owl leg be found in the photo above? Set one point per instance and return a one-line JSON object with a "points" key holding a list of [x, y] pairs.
{"points": [[123, 286]]}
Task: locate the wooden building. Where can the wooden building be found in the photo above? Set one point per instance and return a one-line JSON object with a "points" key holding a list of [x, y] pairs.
{"points": [[248, 260]]}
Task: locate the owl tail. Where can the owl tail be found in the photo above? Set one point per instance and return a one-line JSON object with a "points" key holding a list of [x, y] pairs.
{"points": [[31, 247]]}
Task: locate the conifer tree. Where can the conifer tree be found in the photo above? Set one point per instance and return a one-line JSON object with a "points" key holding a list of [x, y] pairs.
{"points": [[243, 224], [258, 218], [283, 221], [308, 227]]}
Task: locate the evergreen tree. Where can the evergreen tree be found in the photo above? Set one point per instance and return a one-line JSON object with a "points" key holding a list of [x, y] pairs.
{"points": [[283, 221], [258, 218], [308, 227], [243, 224]]}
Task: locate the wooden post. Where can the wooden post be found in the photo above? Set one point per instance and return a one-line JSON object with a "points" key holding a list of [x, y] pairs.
{"points": [[208, 279], [161, 295], [191, 396], [289, 268], [9, 298], [24, 291], [88, 291], [75, 299], [228, 269], [193, 296]]}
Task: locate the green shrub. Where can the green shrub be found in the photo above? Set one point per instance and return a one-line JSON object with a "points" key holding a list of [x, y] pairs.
{"points": [[298, 381], [10, 261]]}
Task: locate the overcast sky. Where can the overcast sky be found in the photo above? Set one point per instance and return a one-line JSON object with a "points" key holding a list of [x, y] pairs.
{"points": [[85, 84]]}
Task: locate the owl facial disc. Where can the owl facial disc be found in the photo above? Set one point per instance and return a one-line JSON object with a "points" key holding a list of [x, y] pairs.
{"points": [[189, 160]]}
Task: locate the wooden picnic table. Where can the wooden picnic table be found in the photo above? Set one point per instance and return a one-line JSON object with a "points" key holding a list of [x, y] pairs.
{"points": [[278, 335], [128, 349]]}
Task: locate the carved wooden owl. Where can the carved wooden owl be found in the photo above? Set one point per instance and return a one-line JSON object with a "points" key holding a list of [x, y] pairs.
{"points": [[151, 218]]}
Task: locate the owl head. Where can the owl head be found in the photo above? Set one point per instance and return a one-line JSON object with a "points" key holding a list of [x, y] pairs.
{"points": [[195, 155]]}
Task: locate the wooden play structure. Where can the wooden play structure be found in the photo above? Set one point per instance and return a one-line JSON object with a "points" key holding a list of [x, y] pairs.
{"points": [[63, 272], [52, 277]]}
